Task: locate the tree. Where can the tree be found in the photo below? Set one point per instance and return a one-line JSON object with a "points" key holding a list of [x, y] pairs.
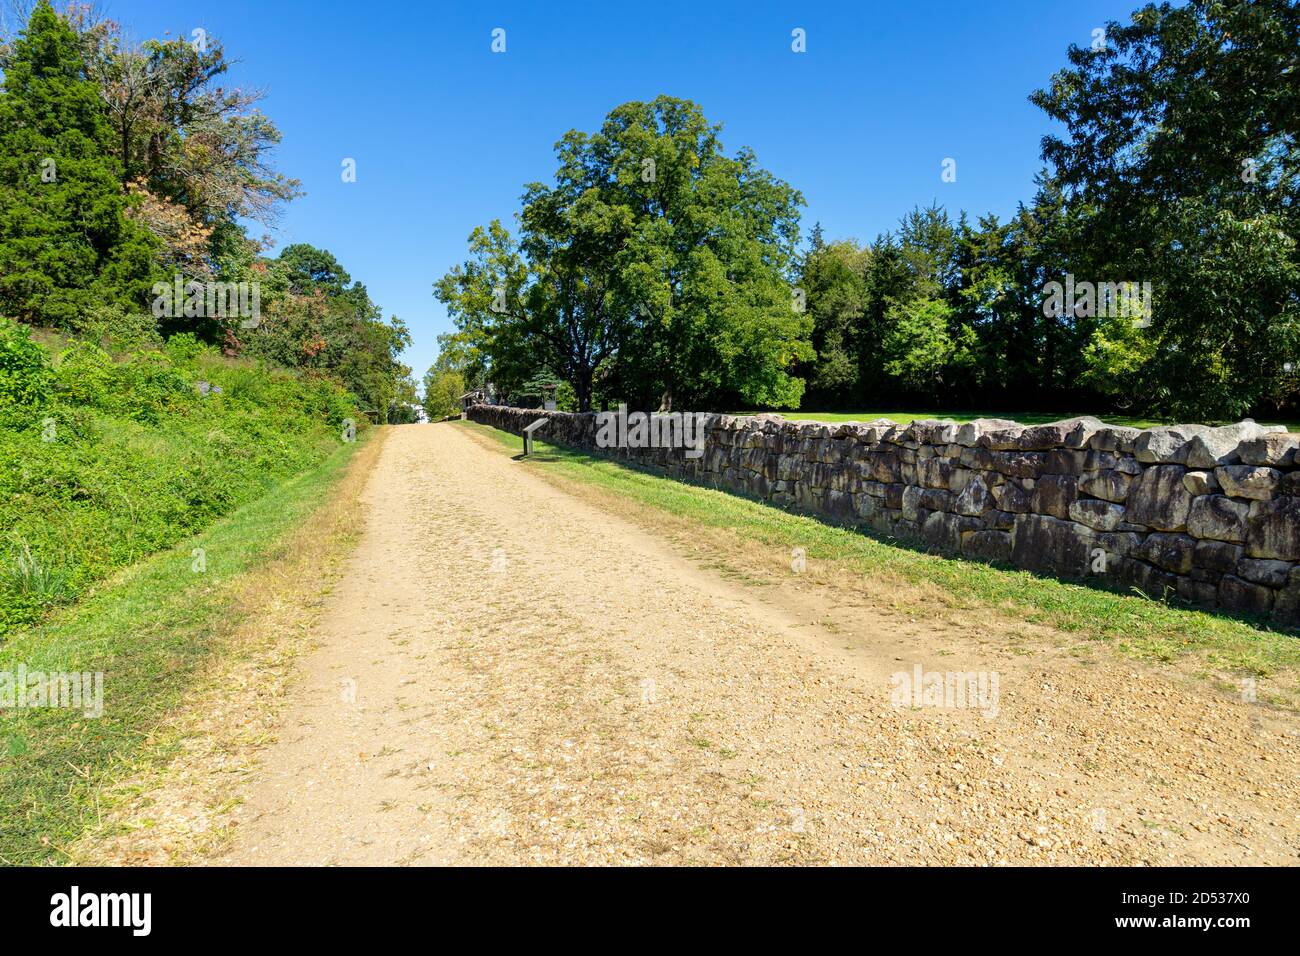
{"points": [[833, 279], [923, 342], [496, 339], [66, 244], [655, 269], [704, 272], [306, 269], [316, 317], [456, 353], [1181, 151], [183, 138], [1021, 354], [194, 157], [442, 392], [920, 345]]}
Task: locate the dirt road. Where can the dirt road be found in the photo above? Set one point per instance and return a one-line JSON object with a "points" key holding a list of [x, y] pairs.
{"points": [[511, 673]]}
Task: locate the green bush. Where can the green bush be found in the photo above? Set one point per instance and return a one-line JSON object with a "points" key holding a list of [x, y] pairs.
{"points": [[25, 376], [117, 328]]}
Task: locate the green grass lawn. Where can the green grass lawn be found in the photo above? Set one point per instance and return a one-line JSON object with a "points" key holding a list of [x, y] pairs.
{"points": [[148, 630], [1026, 418], [1135, 625]]}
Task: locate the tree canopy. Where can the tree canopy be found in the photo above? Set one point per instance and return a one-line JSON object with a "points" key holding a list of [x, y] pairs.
{"points": [[1180, 157], [124, 166], [66, 243], [657, 269], [654, 267]]}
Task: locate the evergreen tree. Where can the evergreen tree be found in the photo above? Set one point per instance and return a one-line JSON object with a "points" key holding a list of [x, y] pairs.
{"points": [[833, 277], [66, 245]]}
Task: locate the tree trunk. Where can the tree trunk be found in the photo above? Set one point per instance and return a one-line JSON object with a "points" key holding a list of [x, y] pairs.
{"points": [[582, 387]]}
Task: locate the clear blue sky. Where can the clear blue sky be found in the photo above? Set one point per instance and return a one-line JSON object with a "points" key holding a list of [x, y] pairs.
{"points": [[445, 133]]}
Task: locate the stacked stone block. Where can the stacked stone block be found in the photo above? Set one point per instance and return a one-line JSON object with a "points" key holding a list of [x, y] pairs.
{"points": [[1208, 515]]}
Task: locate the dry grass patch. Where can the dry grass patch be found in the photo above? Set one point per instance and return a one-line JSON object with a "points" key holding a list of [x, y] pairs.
{"points": [[178, 813]]}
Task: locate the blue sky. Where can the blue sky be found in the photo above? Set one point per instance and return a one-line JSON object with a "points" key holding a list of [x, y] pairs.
{"points": [[445, 133]]}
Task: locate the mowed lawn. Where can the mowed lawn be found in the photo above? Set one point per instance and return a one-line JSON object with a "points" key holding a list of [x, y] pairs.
{"points": [[1025, 418]]}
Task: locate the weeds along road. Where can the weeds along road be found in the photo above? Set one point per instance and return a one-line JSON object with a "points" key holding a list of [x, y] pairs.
{"points": [[512, 673]]}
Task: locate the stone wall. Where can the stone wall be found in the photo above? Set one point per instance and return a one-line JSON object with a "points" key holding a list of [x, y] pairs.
{"points": [[1210, 516]]}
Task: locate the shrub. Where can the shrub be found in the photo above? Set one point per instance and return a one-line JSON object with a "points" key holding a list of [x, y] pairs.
{"points": [[116, 328], [134, 459], [25, 376]]}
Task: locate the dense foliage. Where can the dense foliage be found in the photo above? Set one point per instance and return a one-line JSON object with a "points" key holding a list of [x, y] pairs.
{"points": [[66, 244], [1176, 169], [656, 267], [318, 318], [104, 460], [442, 393], [1182, 163], [124, 166]]}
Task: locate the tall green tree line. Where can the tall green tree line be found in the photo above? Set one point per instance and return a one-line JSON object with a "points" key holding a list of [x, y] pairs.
{"points": [[657, 270], [1177, 167]]}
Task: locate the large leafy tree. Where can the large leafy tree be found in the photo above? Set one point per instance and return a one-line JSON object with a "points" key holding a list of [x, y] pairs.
{"points": [[1181, 149], [655, 268], [706, 271], [458, 352], [443, 389], [66, 245], [496, 339]]}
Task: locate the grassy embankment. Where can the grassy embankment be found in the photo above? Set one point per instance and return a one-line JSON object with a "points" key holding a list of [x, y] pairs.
{"points": [[134, 510], [105, 459], [150, 631]]}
